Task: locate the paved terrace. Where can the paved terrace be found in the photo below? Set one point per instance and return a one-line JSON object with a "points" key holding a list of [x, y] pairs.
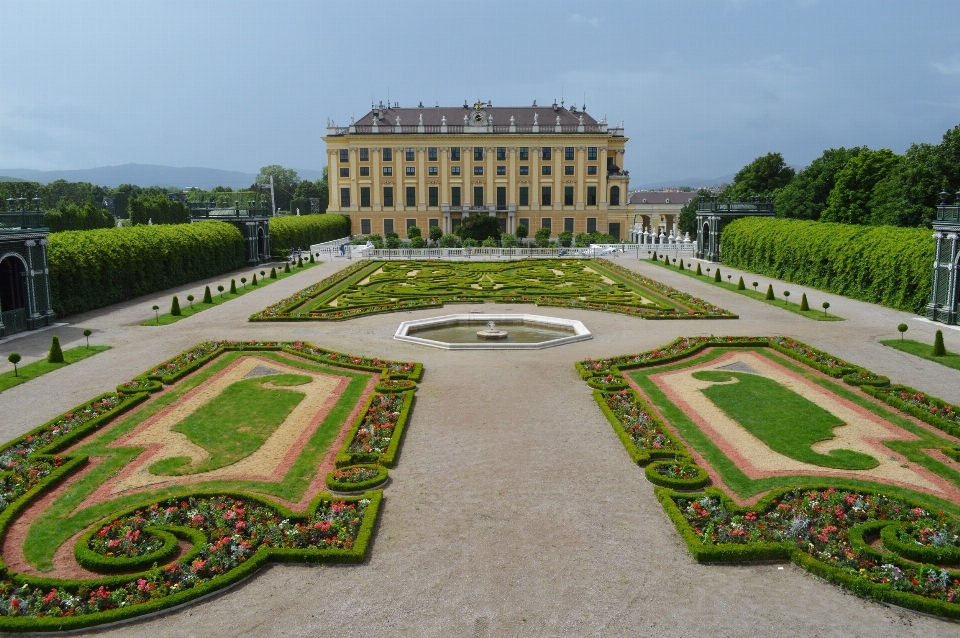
{"points": [[514, 509]]}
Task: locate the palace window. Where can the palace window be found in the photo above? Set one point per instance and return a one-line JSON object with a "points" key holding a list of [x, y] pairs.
{"points": [[344, 155], [591, 195], [388, 155], [455, 196], [478, 195], [433, 170], [591, 224], [501, 170], [432, 154], [455, 154], [388, 195], [344, 198], [546, 222], [592, 153], [432, 222], [524, 196], [525, 222], [411, 222], [524, 152], [478, 152], [501, 198], [545, 193], [568, 153], [364, 154], [411, 171], [545, 169], [568, 195], [387, 227], [524, 170], [568, 224], [364, 196], [410, 155], [545, 152], [478, 170], [568, 170], [387, 171], [364, 171], [592, 170], [344, 172], [501, 153], [614, 195], [411, 196], [364, 226], [433, 198], [454, 170]]}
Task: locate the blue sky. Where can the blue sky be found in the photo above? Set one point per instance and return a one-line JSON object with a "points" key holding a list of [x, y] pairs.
{"points": [[703, 87]]}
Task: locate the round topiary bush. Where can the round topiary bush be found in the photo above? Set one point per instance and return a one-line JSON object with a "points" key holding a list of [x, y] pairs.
{"points": [[356, 478], [681, 474]]}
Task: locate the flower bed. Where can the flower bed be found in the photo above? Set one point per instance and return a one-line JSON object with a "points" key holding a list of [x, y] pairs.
{"points": [[608, 382], [814, 526], [931, 539], [940, 414], [814, 358], [642, 433], [139, 385], [677, 349], [679, 474], [395, 385], [355, 478], [865, 377], [375, 437]]}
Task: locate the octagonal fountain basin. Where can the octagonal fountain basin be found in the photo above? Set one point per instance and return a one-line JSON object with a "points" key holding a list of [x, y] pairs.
{"points": [[507, 332]]}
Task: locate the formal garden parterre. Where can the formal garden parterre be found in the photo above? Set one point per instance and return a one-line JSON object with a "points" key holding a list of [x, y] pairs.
{"points": [[174, 487], [811, 459], [373, 287]]}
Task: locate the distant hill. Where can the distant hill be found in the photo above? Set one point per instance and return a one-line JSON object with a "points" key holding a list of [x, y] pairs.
{"points": [[692, 182], [4, 178], [146, 175]]}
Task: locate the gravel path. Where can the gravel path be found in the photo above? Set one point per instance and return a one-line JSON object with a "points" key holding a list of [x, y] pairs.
{"points": [[514, 509]]}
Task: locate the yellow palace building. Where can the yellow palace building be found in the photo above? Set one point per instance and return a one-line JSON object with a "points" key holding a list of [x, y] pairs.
{"points": [[536, 166]]}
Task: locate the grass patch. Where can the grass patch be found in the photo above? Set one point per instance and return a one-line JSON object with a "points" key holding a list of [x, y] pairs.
{"points": [[42, 367], [236, 423], [188, 310], [920, 349], [65, 517], [794, 306], [785, 421]]}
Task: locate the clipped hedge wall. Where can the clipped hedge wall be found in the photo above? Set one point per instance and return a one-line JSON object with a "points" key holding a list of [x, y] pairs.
{"points": [[301, 232], [880, 264], [95, 268]]}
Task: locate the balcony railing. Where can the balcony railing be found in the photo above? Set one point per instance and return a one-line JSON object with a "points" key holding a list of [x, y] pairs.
{"points": [[947, 213], [712, 205], [18, 220], [225, 213], [460, 129]]}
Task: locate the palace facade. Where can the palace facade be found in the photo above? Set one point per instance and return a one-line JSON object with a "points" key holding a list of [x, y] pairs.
{"points": [[536, 166]]}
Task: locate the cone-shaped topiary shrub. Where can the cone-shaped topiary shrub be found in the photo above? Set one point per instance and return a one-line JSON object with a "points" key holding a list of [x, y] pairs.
{"points": [[311, 258], [716, 275], [286, 267], [233, 287], [56, 354], [254, 282], [681, 264], [299, 262], [175, 307], [699, 272], [769, 292], [273, 273], [740, 285], [939, 350], [803, 302], [207, 297], [655, 258]]}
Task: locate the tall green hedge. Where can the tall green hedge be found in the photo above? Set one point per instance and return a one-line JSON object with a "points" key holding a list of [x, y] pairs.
{"points": [[95, 268], [880, 264], [300, 232]]}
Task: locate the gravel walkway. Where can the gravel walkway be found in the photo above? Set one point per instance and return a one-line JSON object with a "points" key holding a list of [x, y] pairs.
{"points": [[514, 509]]}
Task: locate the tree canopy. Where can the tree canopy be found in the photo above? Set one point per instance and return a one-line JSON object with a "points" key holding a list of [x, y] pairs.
{"points": [[850, 200], [285, 181], [762, 176], [806, 196]]}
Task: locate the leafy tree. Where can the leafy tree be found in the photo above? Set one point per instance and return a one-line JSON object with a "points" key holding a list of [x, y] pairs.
{"points": [[394, 242], [158, 209], [418, 242], [14, 358], [565, 238], [414, 231], [435, 233], [285, 181], [687, 220], [479, 227], [522, 232], [806, 196], [489, 242], [543, 237], [849, 201], [470, 242], [222, 189], [448, 241], [74, 217], [762, 176], [508, 240]]}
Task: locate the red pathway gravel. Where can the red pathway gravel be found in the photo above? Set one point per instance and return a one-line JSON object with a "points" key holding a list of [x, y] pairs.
{"points": [[514, 509]]}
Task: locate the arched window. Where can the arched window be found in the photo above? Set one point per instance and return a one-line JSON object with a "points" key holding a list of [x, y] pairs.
{"points": [[614, 195]]}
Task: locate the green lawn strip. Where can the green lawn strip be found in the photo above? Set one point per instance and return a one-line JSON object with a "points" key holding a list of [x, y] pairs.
{"points": [[652, 294], [794, 307], [56, 524], [786, 422], [188, 310], [920, 349], [745, 487], [235, 423], [42, 367], [331, 293]]}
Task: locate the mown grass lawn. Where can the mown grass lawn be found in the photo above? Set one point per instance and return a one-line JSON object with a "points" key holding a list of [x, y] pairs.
{"points": [[39, 368], [924, 350]]}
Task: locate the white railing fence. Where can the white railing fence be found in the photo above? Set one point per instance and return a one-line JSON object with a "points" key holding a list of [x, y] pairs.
{"points": [[332, 250]]}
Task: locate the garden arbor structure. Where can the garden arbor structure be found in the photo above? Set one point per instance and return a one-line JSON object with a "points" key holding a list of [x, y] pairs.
{"points": [[252, 219], [946, 286], [25, 302], [714, 215]]}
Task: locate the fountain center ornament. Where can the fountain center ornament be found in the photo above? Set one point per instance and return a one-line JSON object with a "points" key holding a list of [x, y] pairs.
{"points": [[491, 332]]}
